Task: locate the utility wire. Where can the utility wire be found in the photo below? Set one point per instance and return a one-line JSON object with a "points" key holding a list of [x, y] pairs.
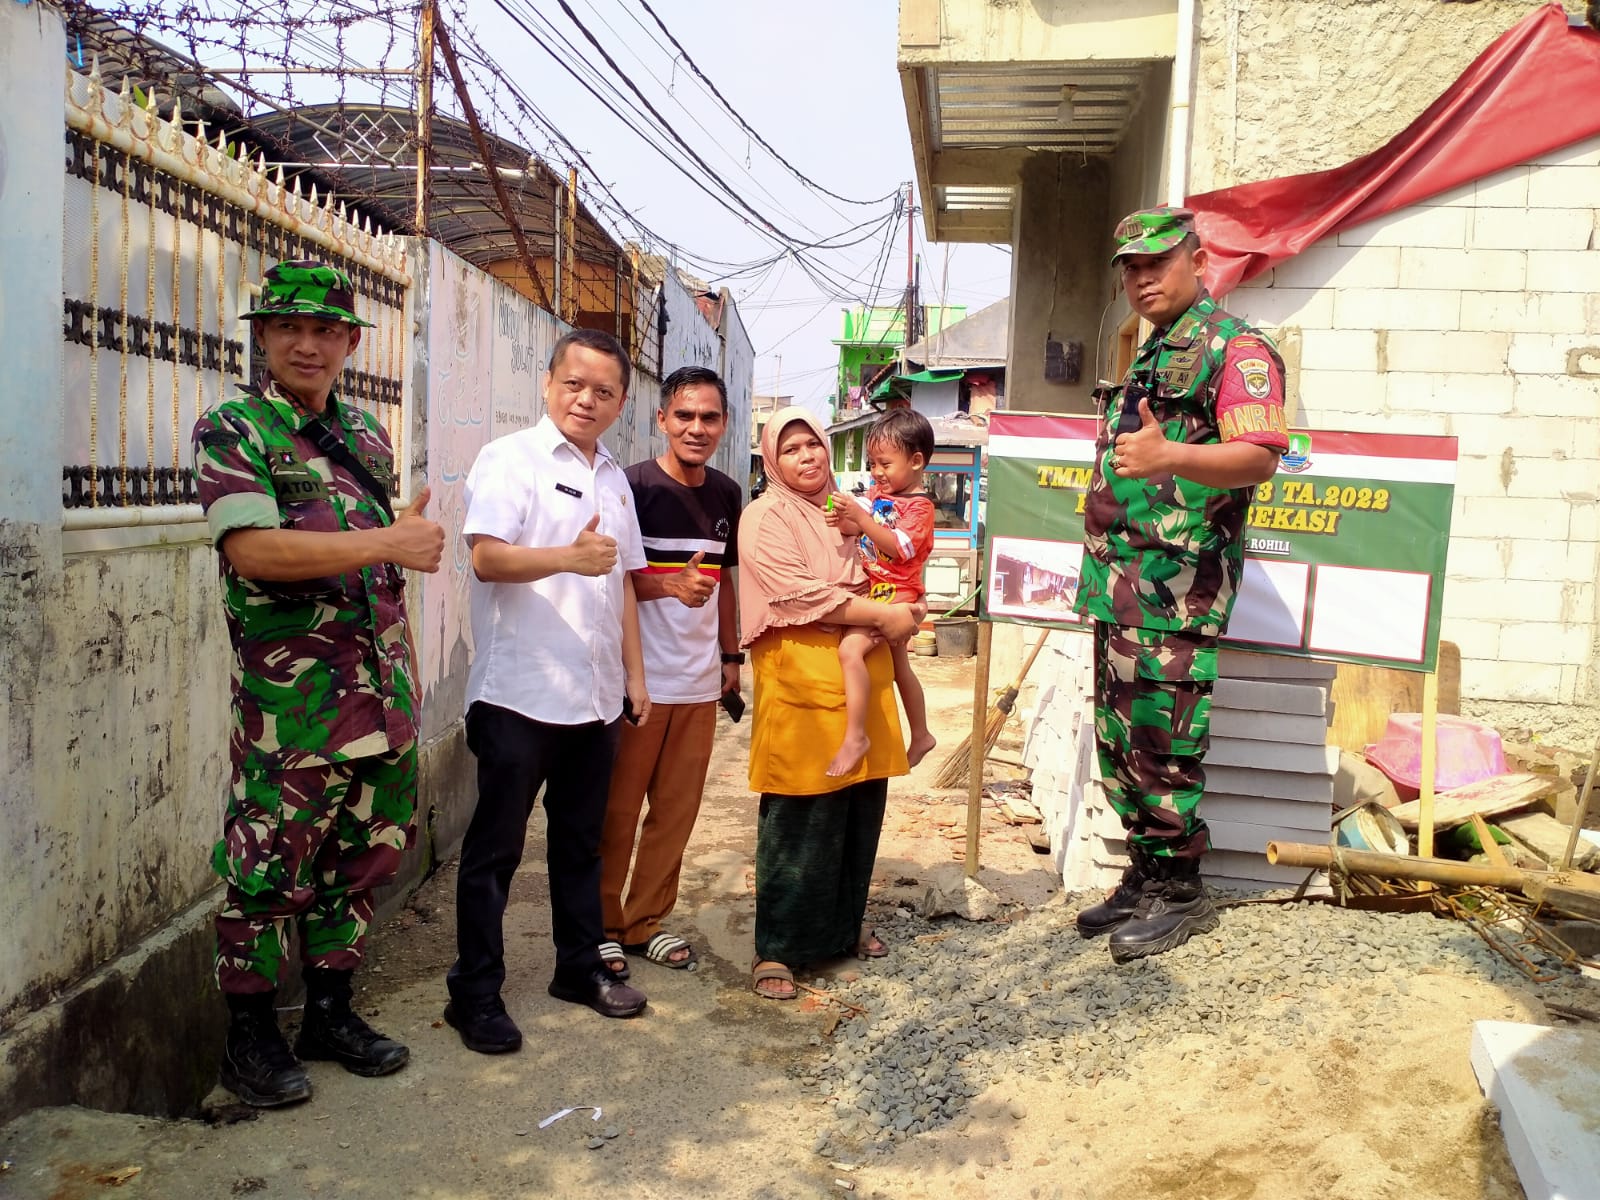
{"points": [[743, 124]]}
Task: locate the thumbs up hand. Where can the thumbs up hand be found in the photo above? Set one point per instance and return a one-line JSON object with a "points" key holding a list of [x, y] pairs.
{"points": [[692, 587], [414, 541], [593, 553], [1146, 451]]}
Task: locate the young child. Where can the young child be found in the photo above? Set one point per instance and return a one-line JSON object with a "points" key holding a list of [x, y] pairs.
{"points": [[896, 535]]}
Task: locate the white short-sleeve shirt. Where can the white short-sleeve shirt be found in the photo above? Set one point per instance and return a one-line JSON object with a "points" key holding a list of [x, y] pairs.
{"points": [[552, 649]]}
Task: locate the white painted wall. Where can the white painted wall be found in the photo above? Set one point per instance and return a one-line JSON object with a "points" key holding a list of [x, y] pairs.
{"points": [[1476, 314], [739, 373], [112, 697]]}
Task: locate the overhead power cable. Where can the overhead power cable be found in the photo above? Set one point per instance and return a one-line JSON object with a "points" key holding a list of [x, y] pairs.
{"points": [[743, 124], [828, 279]]}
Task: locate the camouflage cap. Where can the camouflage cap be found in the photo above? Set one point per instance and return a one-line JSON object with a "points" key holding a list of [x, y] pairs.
{"points": [[306, 288], [1152, 231]]}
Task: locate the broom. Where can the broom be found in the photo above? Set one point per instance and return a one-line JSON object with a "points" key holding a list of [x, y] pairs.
{"points": [[953, 771]]}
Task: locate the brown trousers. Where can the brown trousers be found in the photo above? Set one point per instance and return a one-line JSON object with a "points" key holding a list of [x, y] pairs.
{"points": [[666, 761]]}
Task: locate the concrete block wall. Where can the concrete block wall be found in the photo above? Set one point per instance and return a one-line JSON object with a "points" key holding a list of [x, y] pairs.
{"points": [[1477, 313]]}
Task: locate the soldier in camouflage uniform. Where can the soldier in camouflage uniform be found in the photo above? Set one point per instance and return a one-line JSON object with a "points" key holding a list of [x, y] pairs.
{"points": [[1197, 422], [324, 695]]}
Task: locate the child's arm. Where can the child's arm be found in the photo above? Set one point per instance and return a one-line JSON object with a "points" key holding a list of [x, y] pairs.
{"points": [[850, 518]]}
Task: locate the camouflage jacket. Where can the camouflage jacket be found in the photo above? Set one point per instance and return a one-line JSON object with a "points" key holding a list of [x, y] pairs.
{"points": [[321, 670], [1166, 553]]}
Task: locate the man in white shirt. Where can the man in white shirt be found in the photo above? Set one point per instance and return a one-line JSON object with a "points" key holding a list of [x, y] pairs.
{"points": [[556, 657], [689, 516]]}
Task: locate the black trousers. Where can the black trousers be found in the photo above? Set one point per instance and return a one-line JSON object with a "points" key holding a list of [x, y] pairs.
{"points": [[516, 756]]}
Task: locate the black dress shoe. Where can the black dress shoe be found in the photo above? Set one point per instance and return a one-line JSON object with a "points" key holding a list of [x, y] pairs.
{"points": [[484, 1025], [601, 991]]}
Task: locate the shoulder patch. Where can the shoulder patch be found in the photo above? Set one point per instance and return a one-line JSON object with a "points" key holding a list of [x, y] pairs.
{"points": [[1257, 376], [219, 439]]}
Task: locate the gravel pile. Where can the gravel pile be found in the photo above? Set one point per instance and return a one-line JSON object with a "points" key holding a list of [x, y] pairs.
{"points": [[959, 1005]]}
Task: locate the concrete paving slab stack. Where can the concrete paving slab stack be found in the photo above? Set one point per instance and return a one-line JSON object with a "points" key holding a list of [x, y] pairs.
{"points": [[1269, 773]]}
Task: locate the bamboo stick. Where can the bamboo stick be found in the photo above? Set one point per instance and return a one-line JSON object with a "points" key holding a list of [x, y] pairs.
{"points": [[1396, 866], [1430, 763], [1583, 807], [977, 748]]}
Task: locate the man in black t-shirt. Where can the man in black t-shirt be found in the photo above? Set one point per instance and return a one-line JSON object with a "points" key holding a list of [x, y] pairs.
{"points": [[689, 517]]}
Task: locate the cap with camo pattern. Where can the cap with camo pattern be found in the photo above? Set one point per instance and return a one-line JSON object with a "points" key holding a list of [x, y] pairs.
{"points": [[307, 288], [1152, 231]]}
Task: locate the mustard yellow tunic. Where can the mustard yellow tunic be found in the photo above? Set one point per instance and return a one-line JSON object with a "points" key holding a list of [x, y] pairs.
{"points": [[799, 719]]}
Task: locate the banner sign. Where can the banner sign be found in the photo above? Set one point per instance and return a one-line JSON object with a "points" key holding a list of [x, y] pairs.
{"points": [[1344, 547]]}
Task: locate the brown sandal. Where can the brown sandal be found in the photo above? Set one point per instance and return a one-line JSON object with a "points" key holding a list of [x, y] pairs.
{"points": [[761, 974], [864, 947]]}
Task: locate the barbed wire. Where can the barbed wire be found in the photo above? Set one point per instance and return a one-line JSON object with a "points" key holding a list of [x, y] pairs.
{"points": [[313, 66]]}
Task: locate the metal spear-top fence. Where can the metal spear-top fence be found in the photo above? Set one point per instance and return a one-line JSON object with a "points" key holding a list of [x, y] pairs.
{"points": [[166, 238]]}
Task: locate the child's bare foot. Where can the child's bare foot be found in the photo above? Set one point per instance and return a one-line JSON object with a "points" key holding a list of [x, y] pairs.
{"points": [[921, 744], [851, 751]]}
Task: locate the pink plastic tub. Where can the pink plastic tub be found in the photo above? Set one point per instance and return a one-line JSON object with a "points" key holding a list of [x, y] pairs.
{"points": [[1468, 751]]}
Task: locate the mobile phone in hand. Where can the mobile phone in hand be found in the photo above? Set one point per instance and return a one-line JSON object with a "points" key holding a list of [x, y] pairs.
{"points": [[628, 715], [732, 704]]}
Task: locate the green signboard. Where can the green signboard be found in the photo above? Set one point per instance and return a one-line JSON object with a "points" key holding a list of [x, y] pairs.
{"points": [[1344, 547]]}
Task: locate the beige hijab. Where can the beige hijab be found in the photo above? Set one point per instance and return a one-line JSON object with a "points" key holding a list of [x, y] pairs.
{"points": [[794, 568]]}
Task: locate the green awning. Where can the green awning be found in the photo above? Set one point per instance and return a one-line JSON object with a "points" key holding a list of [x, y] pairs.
{"points": [[888, 385]]}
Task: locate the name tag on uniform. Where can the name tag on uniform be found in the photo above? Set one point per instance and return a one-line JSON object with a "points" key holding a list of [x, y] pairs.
{"points": [[295, 482], [570, 491]]}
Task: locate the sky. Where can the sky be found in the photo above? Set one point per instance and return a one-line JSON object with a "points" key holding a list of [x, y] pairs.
{"points": [[818, 82]]}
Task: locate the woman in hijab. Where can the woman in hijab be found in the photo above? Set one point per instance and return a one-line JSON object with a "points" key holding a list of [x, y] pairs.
{"points": [[800, 582]]}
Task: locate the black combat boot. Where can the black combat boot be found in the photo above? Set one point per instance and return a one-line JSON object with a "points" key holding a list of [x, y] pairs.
{"points": [[332, 1031], [1122, 903], [256, 1064], [1172, 909]]}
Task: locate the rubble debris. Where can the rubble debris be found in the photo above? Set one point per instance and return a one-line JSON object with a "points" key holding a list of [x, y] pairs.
{"points": [[1488, 797], [951, 892], [1547, 837], [1356, 781], [1508, 924]]}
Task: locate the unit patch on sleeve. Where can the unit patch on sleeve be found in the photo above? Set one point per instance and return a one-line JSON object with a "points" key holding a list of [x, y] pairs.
{"points": [[1257, 376]]}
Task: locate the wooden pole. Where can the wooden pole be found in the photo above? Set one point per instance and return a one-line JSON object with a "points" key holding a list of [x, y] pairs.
{"points": [[1430, 763], [491, 168], [1583, 808], [424, 111], [977, 750], [569, 251]]}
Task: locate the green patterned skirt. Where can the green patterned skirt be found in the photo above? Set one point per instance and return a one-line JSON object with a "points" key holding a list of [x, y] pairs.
{"points": [[814, 859]]}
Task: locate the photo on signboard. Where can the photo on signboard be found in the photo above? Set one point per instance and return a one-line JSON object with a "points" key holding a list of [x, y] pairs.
{"points": [[1271, 607], [1034, 579], [1344, 619]]}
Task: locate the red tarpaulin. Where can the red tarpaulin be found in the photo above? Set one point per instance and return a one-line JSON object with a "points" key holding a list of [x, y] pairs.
{"points": [[1536, 89]]}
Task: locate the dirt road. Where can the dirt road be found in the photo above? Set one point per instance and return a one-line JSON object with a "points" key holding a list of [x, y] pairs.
{"points": [[705, 1095]]}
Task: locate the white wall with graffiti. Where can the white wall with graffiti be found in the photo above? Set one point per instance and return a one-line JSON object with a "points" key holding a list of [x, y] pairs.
{"points": [[486, 348]]}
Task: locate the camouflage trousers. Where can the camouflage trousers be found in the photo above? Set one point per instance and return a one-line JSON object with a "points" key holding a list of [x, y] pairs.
{"points": [[308, 845], [1152, 724]]}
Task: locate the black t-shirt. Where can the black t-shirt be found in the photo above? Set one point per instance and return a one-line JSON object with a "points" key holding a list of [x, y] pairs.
{"points": [[682, 661]]}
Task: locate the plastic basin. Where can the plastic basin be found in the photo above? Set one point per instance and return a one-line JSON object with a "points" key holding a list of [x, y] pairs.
{"points": [[1468, 751]]}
